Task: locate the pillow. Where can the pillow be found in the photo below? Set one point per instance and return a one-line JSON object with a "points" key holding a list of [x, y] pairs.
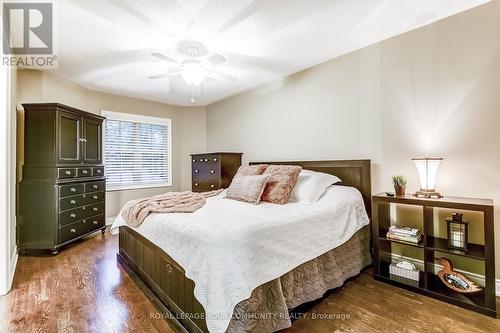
{"points": [[247, 188], [311, 185], [281, 183], [252, 170]]}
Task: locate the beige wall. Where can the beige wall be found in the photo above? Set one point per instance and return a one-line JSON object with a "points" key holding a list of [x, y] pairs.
{"points": [[188, 125], [433, 90]]}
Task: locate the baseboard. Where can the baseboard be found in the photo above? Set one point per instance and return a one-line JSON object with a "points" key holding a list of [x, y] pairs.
{"points": [[110, 220], [475, 277]]}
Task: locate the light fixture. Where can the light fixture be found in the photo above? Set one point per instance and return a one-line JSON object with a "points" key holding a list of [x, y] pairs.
{"points": [[427, 168], [193, 74]]}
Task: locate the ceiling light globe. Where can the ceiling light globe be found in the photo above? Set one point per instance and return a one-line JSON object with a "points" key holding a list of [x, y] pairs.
{"points": [[193, 74]]}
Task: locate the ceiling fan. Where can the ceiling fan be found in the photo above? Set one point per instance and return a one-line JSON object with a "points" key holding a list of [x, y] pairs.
{"points": [[193, 70]]}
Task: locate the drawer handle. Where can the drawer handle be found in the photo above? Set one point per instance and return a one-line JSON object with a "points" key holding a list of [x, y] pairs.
{"points": [[95, 186], [196, 171], [212, 171], [95, 209], [215, 160], [206, 159], [84, 172], [73, 230], [73, 189], [73, 215], [94, 222], [95, 197], [169, 268], [194, 160], [68, 172], [72, 202], [98, 170], [83, 140], [212, 186], [195, 184], [201, 160]]}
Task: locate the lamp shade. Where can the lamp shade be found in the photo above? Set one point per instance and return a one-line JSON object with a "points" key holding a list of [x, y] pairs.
{"points": [[427, 168]]}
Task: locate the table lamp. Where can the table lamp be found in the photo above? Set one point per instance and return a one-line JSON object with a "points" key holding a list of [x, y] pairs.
{"points": [[427, 168]]}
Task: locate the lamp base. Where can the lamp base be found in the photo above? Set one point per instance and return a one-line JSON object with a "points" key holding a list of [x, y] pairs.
{"points": [[428, 194]]}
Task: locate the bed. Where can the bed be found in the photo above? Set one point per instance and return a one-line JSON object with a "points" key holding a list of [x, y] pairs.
{"points": [[252, 264]]}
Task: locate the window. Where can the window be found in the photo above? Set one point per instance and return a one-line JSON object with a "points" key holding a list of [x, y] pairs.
{"points": [[137, 151]]}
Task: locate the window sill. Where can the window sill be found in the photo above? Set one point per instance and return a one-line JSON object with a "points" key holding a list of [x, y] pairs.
{"points": [[136, 187]]}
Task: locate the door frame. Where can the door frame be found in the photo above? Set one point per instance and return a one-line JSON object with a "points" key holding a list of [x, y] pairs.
{"points": [[8, 251]]}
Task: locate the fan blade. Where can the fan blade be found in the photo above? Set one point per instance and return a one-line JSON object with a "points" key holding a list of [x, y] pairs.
{"points": [[163, 57], [222, 77], [159, 76], [215, 59]]}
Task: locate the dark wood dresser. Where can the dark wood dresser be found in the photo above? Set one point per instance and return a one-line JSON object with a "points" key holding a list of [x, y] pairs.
{"points": [[62, 193], [212, 171]]}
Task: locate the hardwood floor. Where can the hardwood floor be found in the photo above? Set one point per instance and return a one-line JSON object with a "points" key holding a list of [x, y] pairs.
{"points": [[83, 289]]}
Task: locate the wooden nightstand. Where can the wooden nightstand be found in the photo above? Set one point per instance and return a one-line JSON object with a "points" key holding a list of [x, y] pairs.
{"points": [[431, 246]]}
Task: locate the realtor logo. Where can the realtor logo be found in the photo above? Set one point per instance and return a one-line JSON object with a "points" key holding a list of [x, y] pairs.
{"points": [[28, 29]]}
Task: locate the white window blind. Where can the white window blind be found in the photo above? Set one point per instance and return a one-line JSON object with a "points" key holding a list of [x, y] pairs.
{"points": [[137, 151]]}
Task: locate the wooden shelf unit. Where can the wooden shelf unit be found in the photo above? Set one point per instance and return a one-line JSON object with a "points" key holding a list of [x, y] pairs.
{"points": [[430, 284]]}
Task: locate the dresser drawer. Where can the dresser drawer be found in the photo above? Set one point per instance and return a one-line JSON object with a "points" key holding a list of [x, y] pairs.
{"points": [[203, 186], [207, 171], [71, 202], [71, 189], [98, 171], [66, 173], [95, 222], [84, 172], [90, 198], [94, 209], [204, 159], [73, 230], [72, 215], [95, 186]]}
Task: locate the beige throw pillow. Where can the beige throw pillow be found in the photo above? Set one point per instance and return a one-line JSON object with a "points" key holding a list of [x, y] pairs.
{"points": [[280, 185], [247, 188], [252, 170]]}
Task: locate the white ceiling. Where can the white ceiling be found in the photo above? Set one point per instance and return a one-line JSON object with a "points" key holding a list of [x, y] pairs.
{"points": [[106, 45]]}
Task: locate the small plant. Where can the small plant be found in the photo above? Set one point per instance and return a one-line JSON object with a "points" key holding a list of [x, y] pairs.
{"points": [[399, 180]]}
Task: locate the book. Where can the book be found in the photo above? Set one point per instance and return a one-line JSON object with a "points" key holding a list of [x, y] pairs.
{"points": [[409, 239], [403, 230]]}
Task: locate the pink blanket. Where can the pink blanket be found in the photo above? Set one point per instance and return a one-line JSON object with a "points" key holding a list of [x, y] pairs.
{"points": [[136, 211]]}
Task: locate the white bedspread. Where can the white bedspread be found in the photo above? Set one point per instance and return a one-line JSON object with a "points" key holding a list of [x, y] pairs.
{"points": [[228, 248]]}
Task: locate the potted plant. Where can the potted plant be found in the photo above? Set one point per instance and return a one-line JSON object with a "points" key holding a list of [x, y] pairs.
{"points": [[399, 182]]}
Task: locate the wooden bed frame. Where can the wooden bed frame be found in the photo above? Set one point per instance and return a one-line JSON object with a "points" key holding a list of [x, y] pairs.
{"points": [[163, 281]]}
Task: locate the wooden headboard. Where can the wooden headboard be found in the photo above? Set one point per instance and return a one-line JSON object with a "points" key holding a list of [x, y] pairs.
{"points": [[355, 173]]}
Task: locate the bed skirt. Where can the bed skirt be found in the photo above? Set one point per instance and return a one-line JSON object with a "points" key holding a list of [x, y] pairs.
{"points": [[268, 306]]}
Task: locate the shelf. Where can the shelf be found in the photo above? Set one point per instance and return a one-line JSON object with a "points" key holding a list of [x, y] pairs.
{"points": [[382, 237], [429, 284], [435, 285], [476, 251], [384, 273]]}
